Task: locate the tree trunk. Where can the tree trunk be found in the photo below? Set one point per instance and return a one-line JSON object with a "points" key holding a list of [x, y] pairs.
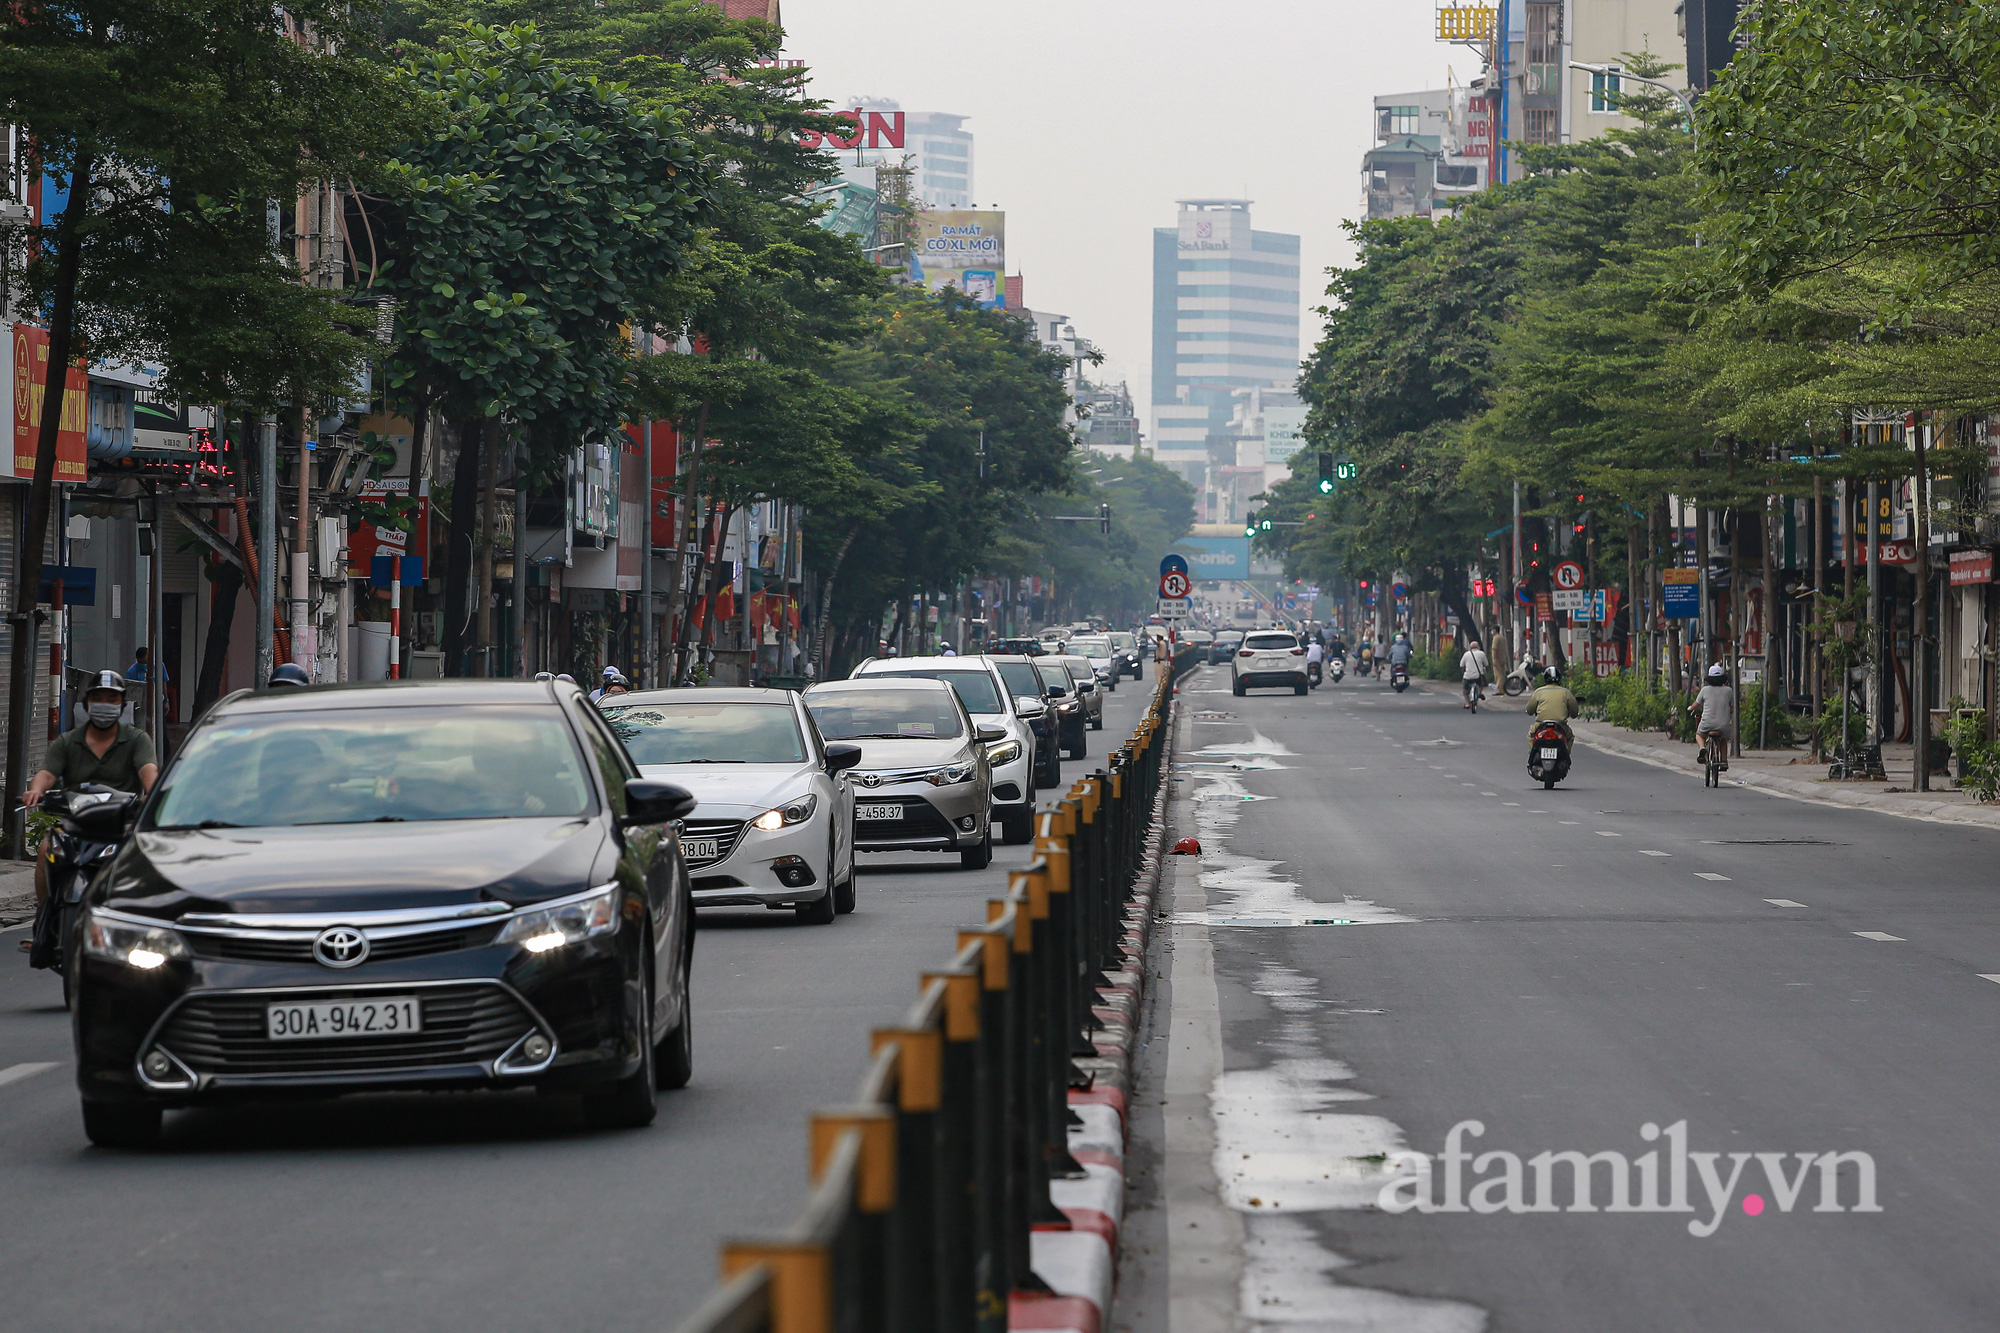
{"points": [[25, 639], [489, 480], [826, 604], [224, 589], [458, 556]]}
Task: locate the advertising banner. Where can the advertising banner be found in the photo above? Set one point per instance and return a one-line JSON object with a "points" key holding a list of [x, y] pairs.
{"points": [[1212, 558], [1282, 423], [1681, 593], [31, 377], [965, 249]]}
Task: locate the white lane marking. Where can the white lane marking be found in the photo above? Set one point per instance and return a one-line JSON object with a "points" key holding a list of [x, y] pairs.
{"points": [[1468, 784], [1607, 833], [1783, 902], [1878, 935], [1647, 851], [1568, 821], [1989, 976], [1510, 802], [1489, 793], [1710, 874], [15, 1073]]}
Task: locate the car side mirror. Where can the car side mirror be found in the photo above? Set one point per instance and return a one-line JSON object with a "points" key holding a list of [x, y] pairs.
{"points": [[1058, 692], [841, 756], [1027, 706], [989, 733], [651, 801]]}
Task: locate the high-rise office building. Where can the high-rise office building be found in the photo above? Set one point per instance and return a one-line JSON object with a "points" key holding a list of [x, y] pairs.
{"points": [[1225, 317], [936, 144]]}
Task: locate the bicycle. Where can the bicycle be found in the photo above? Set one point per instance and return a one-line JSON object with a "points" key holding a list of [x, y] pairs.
{"points": [[1715, 757]]}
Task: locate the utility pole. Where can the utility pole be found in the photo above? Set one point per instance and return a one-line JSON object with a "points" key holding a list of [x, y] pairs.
{"points": [[1920, 654], [302, 623], [1874, 610], [267, 543], [647, 655], [1513, 604]]}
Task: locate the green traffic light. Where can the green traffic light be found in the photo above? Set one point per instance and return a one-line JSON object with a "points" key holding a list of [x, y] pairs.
{"points": [[1326, 485]]}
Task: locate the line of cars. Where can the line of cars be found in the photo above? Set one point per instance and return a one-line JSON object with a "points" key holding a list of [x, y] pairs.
{"points": [[453, 885]]}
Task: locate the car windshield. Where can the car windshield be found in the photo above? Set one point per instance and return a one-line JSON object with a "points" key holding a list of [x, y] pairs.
{"points": [[709, 731], [975, 689], [1123, 641], [1079, 669], [887, 714], [1054, 675], [375, 765], [1022, 681], [1271, 642], [1091, 647]]}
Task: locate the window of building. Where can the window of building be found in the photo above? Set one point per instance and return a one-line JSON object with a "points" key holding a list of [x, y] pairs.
{"points": [[1604, 90], [947, 148], [1544, 33], [1457, 178], [1398, 119], [1540, 125]]}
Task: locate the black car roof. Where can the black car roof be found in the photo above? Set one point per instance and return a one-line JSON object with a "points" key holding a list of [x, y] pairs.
{"points": [[393, 694]]}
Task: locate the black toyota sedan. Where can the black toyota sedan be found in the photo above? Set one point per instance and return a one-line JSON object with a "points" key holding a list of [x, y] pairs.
{"points": [[443, 885]]}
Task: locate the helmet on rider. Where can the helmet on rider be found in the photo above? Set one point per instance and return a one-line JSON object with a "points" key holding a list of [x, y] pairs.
{"points": [[290, 674], [104, 700], [1717, 674], [1551, 676]]}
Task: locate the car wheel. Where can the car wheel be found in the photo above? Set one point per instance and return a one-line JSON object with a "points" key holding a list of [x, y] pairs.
{"points": [[1080, 749], [121, 1124], [1017, 827], [1113, 687], [979, 857], [820, 911], [673, 1059], [1236, 688], [1097, 723], [1298, 689], [843, 889], [631, 1102]]}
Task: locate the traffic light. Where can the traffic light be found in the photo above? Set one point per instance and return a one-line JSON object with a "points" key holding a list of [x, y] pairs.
{"points": [[1325, 473], [1104, 518], [1250, 525]]}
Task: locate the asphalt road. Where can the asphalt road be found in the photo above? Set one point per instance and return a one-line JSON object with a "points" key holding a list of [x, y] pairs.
{"points": [[1565, 967], [478, 1210]]}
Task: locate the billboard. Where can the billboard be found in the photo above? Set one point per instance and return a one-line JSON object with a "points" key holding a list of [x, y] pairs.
{"points": [[1282, 424], [1216, 557], [30, 383], [965, 249]]}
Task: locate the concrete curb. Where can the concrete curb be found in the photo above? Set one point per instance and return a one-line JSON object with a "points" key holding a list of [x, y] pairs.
{"points": [[1821, 793], [1079, 1263]]}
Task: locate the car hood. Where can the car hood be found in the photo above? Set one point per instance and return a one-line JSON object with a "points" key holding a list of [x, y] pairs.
{"points": [[884, 756], [729, 791], [358, 867]]}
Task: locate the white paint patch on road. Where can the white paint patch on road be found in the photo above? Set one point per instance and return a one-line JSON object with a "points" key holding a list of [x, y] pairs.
{"points": [[1783, 902], [1258, 744], [1282, 1151], [1646, 851], [1879, 935], [1607, 833], [27, 1069], [1711, 875], [1989, 976]]}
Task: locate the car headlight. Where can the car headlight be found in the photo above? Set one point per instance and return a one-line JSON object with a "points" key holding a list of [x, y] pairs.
{"points": [[566, 922], [134, 943], [951, 774], [798, 812], [1006, 752]]}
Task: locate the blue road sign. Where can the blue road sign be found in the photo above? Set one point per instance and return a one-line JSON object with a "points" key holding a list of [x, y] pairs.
{"points": [[1172, 561]]}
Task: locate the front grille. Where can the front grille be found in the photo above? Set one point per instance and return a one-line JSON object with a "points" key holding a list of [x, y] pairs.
{"points": [[224, 1034], [298, 949], [724, 831], [920, 820]]}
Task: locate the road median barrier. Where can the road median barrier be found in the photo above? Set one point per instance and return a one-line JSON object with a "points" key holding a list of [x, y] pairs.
{"points": [[975, 1182]]}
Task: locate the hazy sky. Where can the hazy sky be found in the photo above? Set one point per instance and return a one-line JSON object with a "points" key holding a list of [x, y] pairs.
{"points": [[1091, 117]]}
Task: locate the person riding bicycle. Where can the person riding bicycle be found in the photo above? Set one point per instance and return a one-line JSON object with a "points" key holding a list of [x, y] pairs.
{"points": [[1552, 702], [1717, 703], [1474, 666], [105, 750], [1402, 650]]}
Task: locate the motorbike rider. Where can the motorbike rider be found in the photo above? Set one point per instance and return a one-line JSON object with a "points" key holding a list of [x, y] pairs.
{"points": [[289, 675], [1401, 650], [104, 750], [1315, 657], [1364, 657], [1474, 666], [1552, 702], [1335, 647], [1717, 703]]}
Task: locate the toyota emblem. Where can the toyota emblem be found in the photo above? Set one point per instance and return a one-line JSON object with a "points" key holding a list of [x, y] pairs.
{"points": [[340, 946], [869, 779]]}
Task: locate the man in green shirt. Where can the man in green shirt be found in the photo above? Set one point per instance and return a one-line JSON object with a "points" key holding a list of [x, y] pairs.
{"points": [[103, 750]]}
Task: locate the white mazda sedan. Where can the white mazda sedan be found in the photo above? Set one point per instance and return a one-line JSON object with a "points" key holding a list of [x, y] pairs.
{"points": [[774, 823]]}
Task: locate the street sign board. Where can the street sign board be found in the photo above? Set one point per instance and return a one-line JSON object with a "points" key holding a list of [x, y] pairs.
{"points": [[1174, 608], [1174, 584], [1567, 575], [1682, 593], [1171, 561], [1522, 595], [1543, 610], [1399, 591], [1570, 599]]}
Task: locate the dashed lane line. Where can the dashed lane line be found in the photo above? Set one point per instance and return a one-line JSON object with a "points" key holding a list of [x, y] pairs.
{"points": [[1711, 875], [1649, 852], [1879, 935], [1783, 902], [28, 1069]]}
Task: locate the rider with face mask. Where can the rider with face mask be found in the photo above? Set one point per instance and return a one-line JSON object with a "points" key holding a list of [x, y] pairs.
{"points": [[104, 750]]}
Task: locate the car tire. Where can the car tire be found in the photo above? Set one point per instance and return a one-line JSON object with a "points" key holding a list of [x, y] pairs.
{"points": [[1298, 689], [121, 1124], [1097, 723], [820, 911], [1080, 750], [1236, 688], [633, 1101], [1017, 827], [979, 857], [673, 1059], [1113, 686]]}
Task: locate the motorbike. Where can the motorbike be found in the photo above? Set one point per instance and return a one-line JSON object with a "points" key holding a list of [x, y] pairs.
{"points": [[1548, 754], [1338, 668], [92, 823], [1399, 676], [1521, 679], [1364, 664], [1313, 675]]}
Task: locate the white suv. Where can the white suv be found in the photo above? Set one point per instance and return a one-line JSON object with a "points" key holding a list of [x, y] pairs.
{"points": [[1268, 657]]}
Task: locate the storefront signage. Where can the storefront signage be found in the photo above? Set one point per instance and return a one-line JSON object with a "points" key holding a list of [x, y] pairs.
{"points": [[1971, 567], [31, 363], [1681, 589]]}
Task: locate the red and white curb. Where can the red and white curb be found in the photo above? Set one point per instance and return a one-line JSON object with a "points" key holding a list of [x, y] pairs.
{"points": [[1077, 1261]]}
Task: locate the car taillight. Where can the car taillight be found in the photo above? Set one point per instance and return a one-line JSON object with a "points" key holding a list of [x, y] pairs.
{"points": [[1246, 653], [1298, 652]]}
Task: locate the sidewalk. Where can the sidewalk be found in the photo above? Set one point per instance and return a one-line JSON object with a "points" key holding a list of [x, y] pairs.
{"points": [[1791, 773], [17, 892]]}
